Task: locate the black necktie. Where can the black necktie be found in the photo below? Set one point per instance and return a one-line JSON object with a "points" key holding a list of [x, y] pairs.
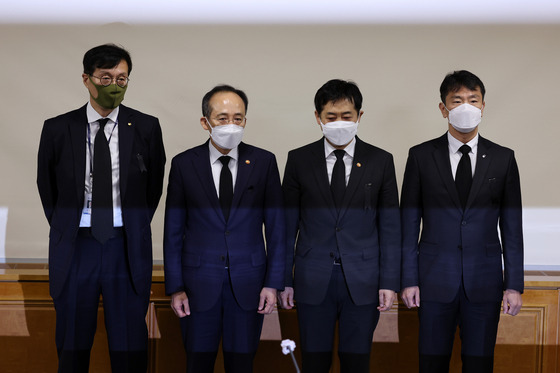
{"points": [[463, 177], [226, 186], [338, 179], [102, 193]]}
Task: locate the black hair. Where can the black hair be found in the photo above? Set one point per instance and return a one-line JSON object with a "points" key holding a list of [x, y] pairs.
{"points": [[105, 56], [206, 110], [456, 80], [336, 90]]}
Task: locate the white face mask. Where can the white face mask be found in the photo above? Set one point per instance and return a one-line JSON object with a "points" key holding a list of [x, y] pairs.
{"points": [[464, 118], [340, 132], [226, 136]]}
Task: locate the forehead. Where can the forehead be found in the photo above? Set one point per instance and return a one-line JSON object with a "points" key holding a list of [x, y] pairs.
{"points": [[338, 107], [465, 93], [227, 102], [121, 68]]}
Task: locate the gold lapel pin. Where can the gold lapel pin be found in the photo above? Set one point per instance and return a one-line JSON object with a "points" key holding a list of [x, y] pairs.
{"points": [[130, 124], [358, 164], [248, 161]]}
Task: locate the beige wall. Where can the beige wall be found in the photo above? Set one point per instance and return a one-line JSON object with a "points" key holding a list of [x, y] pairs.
{"points": [[398, 68]]}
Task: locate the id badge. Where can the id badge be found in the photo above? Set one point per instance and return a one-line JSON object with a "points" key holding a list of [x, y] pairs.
{"points": [[87, 208]]}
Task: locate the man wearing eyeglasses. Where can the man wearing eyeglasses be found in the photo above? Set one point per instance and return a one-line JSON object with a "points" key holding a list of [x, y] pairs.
{"points": [[100, 177], [221, 275]]}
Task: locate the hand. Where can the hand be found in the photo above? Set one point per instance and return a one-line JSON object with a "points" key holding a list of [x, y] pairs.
{"points": [[267, 301], [512, 302], [386, 299], [180, 304], [286, 298], [411, 296]]}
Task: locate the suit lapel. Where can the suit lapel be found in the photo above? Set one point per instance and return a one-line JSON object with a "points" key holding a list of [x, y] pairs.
{"points": [[126, 138], [319, 167], [245, 165], [356, 175], [203, 170], [78, 134], [483, 159], [441, 158]]}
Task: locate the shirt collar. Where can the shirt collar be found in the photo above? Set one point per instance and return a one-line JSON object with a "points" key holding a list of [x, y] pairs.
{"points": [[455, 144], [93, 116], [349, 149], [215, 153]]}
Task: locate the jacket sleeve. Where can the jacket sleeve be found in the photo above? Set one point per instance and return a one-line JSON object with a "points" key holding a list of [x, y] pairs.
{"points": [[411, 212], [291, 190], [511, 229]]}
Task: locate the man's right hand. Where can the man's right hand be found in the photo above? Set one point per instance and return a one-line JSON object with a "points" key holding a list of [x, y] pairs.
{"points": [[180, 304], [411, 296], [286, 298]]}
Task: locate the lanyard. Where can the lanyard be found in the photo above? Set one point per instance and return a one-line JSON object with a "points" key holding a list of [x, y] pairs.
{"points": [[89, 146]]}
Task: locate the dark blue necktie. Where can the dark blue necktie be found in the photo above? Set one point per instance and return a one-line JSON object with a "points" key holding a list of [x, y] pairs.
{"points": [[226, 186], [102, 189], [463, 177], [338, 179]]}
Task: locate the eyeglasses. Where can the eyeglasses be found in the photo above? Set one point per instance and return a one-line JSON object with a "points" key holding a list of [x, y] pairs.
{"points": [[225, 120], [106, 80]]}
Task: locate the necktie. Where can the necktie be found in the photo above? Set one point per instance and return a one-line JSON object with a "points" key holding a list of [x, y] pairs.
{"points": [[226, 186], [102, 193], [338, 179], [463, 177]]}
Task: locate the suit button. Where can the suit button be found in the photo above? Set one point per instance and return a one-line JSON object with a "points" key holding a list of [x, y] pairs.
{"points": [[331, 255], [460, 247], [222, 258], [227, 233], [338, 229], [463, 222]]}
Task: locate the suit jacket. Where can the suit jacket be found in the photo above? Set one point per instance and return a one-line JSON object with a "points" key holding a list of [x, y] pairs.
{"points": [[61, 178], [366, 231], [198, 241], [462, 245]]}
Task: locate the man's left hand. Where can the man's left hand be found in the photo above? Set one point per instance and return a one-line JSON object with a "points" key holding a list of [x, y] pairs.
{"points": [[512, 302], [386, 299], [267, 301]]}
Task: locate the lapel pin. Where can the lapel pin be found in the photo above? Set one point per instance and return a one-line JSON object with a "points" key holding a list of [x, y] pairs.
{"points": [[483, 155], [358, 164], [130, 124], [248, 161]]}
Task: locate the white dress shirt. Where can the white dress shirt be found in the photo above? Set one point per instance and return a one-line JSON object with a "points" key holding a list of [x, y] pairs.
{"points": [[217, 165], [455, 155], [112, 134], [348, 158]]}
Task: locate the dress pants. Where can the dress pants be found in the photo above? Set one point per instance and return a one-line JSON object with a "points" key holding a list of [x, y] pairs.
{"points": [[478, 323], [317, 329], [101, 269], [239, 330]]}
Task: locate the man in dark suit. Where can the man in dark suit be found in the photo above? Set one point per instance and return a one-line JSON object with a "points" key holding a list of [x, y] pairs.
{"points": [[342, 205], [100, 237], [460, 188], [220, 274]]}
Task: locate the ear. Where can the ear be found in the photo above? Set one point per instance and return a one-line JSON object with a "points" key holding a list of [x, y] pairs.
{"points": [[482, 108], [360, 114], [317, 118], [85, 79], [443, 110], [205, 125]]}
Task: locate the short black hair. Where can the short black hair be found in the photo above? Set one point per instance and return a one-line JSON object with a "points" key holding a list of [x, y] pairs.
{"points": [[105, 56], [337, 90], [458, 79], [217, 89]]}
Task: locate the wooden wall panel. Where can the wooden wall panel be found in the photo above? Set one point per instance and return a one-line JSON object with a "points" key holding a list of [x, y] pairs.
{"points": [[527, 343]]}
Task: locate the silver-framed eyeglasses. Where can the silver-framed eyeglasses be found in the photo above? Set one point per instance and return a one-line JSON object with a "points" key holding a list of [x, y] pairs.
{"points": [[106, 80]]}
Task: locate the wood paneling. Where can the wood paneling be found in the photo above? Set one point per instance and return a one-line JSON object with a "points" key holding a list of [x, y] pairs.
{"points": [[526, 343]]}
